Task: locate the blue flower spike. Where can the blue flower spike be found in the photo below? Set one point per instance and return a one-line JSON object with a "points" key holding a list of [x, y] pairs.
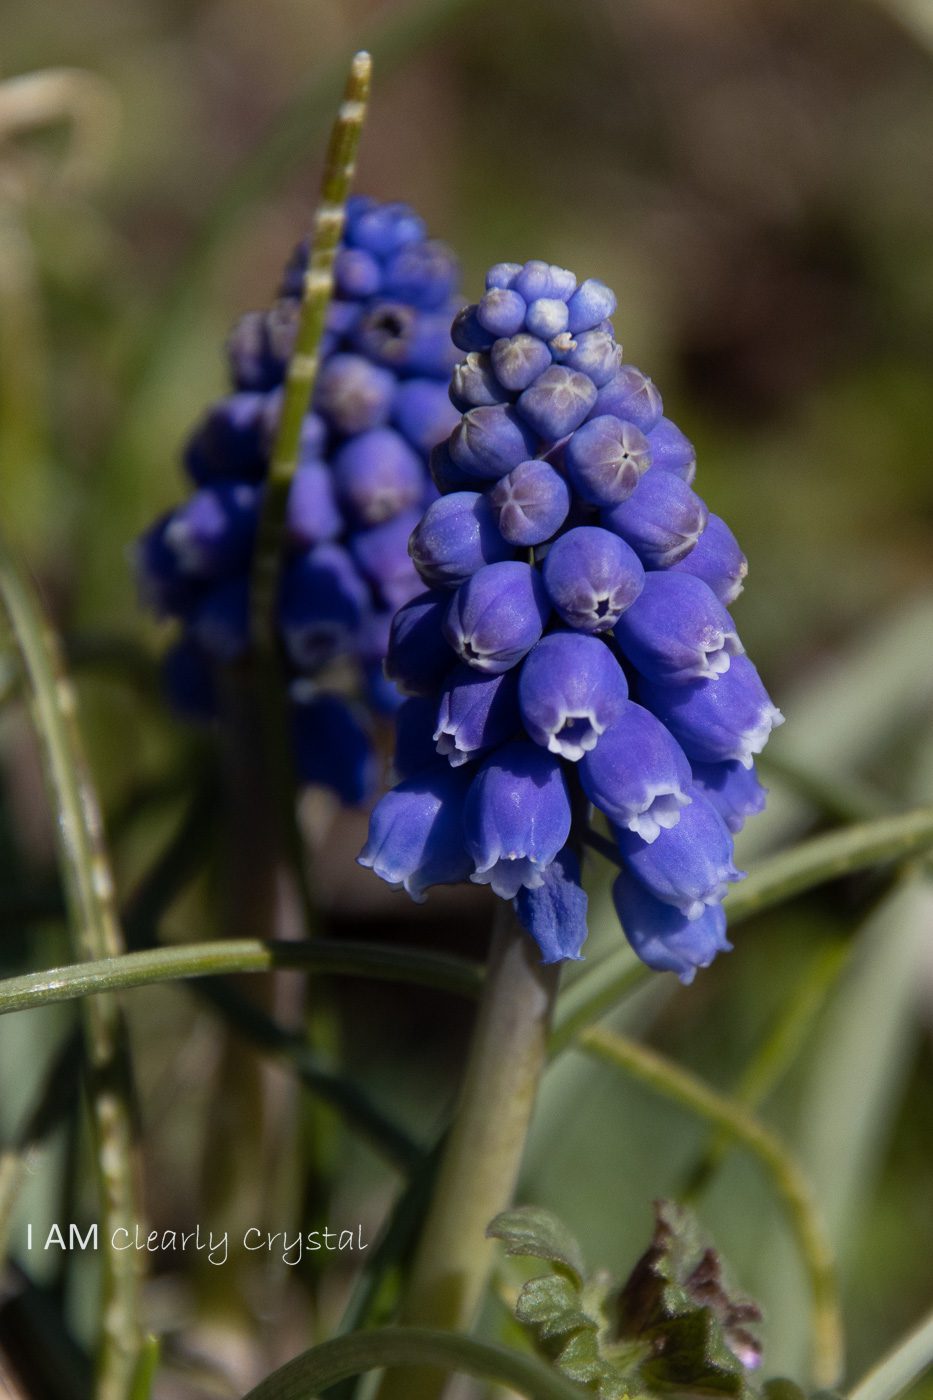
{"points": [[574, 656], [361, 484]]}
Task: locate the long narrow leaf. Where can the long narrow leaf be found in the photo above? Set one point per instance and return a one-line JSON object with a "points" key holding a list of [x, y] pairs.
{"points": [[439, 970], [96, 933], [359, 1352]]}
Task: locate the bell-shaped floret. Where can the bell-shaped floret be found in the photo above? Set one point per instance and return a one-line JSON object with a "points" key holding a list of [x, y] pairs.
{"points": [[476, 712], [662, 937], [516, 818], [554, 913], [717, 720], [638, 775], [416, 832], [677, 630], [496, 617], [591, 577], [662, 519], [571, 690], [690, 865]]}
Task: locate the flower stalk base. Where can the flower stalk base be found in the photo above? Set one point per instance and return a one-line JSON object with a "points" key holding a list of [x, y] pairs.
{"points": [[483, 1156]]}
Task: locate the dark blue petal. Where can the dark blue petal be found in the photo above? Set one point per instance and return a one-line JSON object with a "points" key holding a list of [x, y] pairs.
{"points": [[555, 913]]}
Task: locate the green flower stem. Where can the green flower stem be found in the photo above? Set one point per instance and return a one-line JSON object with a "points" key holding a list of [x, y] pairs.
{"points": [[142, 969], [95, 933], [303, 365], [777, 1053], [895, 1372], [729, 1117], [827, 857], [483, 1154], [343, 1357]]}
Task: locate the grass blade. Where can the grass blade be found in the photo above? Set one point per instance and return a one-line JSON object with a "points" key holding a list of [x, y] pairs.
{"points": [[95, 933], [342, 1357]]}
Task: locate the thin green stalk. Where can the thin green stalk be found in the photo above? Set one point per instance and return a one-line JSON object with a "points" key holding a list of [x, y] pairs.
{"points": [[792, 872], [777, 1052], [441, 971], [300, 380], [353, 1355], [301, 374], [96, 933], [898, 1370], [397, 33], [683, 1088], [829, 857], [483, 1154]]}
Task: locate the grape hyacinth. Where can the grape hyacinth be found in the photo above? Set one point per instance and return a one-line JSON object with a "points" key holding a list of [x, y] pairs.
{"points": [[571, 652], [362, 482]]}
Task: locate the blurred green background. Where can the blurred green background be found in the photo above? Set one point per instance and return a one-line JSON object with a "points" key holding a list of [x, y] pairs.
{"points": [[754, 181]]}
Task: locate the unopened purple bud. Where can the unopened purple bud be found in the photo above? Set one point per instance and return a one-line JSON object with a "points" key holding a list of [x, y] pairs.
{"points": [[423, 413], [381, 553], [719, 720], [516, 818], [212, 534], [637, 774], [331, 746], [662, 520], [260, 345], [631, 395], [501, 311], [323, 602], [357, 273], [430, 350], [377, 475], [595, 354], [605, 460], [662, 937], [718, 560], [671, 451], [488, 442], [734, 791], [473, 384], [518, 360], [445, 473], [313, 438], [456, 536], [571, 690], [354, 394], [677, 630], [497, 616], [557, 402], [424, 274], [591, 303], [467, 333], [312, 515], [416, 832], [229, 441], [546, 317], [540, 279], [690, 865], [418, 656], [530, 503], [162, 584], [502, 275], [476, 712], [220, 621], [555, 912], [591, 577], [383, 228]]}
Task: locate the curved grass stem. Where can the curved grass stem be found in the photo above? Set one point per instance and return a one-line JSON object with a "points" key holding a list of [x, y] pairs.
{"points": [[144, 968]]}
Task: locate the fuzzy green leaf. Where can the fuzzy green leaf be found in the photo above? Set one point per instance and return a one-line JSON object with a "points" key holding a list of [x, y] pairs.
{"points": [[531, 1230], [552, 1306]]}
